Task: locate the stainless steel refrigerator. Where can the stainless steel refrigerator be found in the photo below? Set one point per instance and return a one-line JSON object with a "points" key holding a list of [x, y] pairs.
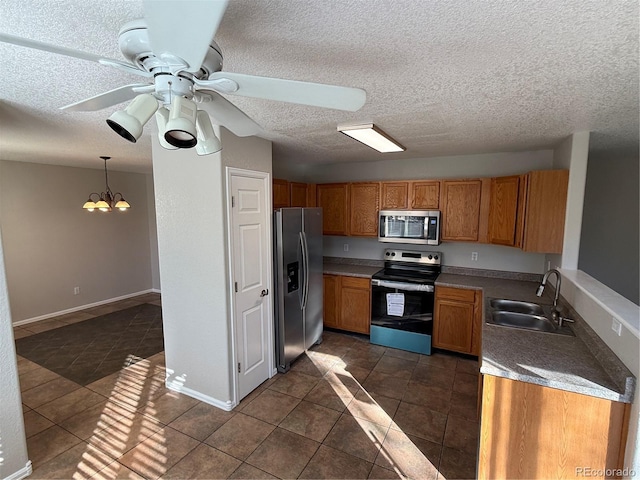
{"points": [[298, 282]]}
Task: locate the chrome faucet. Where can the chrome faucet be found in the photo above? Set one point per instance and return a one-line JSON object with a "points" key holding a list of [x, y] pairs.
{"points": [[555, 313]]}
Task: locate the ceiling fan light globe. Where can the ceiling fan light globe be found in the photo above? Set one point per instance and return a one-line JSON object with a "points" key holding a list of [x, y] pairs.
{"points": [[208, 142], [162, 117], [129, 123], [181, 127]]}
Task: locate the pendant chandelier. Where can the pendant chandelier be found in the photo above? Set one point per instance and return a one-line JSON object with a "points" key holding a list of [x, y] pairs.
{"points": [[107, 200]]}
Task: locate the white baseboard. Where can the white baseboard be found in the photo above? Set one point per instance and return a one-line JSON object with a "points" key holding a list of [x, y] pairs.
{"points": [[22, 473], [81, 307], [156, 290], [180, 388]]}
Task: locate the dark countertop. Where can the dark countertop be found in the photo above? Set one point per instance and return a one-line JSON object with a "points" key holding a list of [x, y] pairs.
{"points": [[351, 267], [582, 364]]}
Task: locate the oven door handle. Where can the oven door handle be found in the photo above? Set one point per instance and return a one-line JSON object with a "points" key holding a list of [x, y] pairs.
{"points": [[409, 287]]}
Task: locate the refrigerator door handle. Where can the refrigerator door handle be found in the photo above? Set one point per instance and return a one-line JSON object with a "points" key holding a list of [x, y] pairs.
{"points": [[305, 266]]}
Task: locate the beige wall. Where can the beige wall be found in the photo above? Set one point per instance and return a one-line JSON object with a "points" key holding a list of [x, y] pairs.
{"points": [[52, 245]]}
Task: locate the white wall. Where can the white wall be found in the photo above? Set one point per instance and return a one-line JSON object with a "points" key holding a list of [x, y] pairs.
{"points": [[52, 245], [490, 257], [14, 461], [595, 302], [153, 235], [192, 246], [572, 154]]}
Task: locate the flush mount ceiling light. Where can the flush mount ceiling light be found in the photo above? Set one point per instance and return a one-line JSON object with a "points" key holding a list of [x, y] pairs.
{"points": [[372, 137], [107, 200]]}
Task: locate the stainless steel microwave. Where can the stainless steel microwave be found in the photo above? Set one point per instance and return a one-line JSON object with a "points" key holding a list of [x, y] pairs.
{"points": [[410, 226]]}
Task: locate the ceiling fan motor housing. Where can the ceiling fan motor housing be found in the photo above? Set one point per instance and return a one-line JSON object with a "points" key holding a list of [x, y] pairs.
{"points": [[133, 41]]}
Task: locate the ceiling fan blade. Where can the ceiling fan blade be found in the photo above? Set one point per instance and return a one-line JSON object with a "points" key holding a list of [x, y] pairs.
{"points": [[292, 91], [225, 113], [108, 99], [69, 52], [183, 29]]}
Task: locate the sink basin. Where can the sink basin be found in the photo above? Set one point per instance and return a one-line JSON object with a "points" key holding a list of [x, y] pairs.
{"points": [[517, 307], [525, 315], [523, 320]]}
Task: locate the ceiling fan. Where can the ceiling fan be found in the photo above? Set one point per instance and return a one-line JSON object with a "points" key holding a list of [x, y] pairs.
{"points": [[173, 48]]}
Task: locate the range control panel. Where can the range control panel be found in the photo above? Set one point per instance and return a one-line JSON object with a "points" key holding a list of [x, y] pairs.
{"points": [[428, 258]]}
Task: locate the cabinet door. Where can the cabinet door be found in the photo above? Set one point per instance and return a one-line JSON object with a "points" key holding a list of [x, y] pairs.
{"points": [[355, 304], [332, 198], [425, 195], [281, 193], [453, 325], [545, 211], [394, 195], [331, 300], [503, 210], [298, 193], [460, 201], [363, 209]]}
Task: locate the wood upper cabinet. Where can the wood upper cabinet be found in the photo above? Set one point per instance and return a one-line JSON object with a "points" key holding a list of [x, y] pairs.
{"points": [[281, 196], [531, 431], [363, 209], [298, 194], [503, 210], [425, 195], [347, 303], [457, 320], [460, 205], [546, 205], [394, 195], [333, 199]]}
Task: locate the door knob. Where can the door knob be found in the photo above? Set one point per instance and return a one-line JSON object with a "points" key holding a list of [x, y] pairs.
{"points": [[264, 293]]}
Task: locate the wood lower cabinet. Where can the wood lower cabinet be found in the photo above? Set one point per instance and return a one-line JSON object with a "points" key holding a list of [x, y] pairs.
{"points": [[457, 320], [531, 431], [347, 303], [425, 195], [333, 199], [281, 196], [363, 209], [460, 205]]}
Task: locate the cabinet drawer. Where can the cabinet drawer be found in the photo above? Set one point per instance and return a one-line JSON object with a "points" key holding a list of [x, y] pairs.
{"points": [[355, 282], [459, 294]]}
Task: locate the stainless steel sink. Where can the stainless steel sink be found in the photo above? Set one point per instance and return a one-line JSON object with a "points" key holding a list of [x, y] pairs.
{"points": [[525, 315], [517, 307], [523, 320]]}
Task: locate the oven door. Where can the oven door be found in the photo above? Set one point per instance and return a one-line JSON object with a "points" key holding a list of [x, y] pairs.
{"points": [[402, 305]]}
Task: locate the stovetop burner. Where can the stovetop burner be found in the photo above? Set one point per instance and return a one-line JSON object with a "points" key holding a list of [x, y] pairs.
{"points": [[410, 266]]}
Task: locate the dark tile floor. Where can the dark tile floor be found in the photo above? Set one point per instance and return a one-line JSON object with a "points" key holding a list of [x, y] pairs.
{"points": [[91, 349], [347, 409]]}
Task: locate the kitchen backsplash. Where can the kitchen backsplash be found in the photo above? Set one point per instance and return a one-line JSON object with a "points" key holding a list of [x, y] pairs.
{"points": [[458, 254]]}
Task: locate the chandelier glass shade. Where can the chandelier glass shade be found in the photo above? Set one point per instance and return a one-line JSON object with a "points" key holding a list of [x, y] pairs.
{"points": [[106, 201]]}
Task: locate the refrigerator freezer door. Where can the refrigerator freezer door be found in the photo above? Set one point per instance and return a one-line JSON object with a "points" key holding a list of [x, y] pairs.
{"points": [[289, 284], [312, 226]]}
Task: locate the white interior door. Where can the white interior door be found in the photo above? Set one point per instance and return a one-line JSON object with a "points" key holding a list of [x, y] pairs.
{"points": [[251, 219]]}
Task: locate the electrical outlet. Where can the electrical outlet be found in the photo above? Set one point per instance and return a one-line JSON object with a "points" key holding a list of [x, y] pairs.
{"points": [[474, 256], [548, 265], [616, 326], [346, 247], [76, 290]]}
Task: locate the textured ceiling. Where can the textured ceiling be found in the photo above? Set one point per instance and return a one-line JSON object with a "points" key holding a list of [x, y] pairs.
{"points": [[443, 77]]}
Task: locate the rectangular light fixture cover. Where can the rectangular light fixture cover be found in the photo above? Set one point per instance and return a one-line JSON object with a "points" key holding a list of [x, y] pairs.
{"points": [[372, 137]]}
